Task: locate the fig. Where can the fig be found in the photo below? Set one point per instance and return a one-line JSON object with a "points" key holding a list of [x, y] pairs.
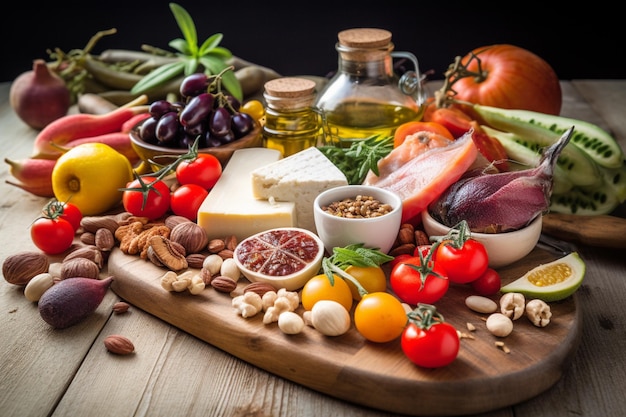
{"points": [[71, 300]]}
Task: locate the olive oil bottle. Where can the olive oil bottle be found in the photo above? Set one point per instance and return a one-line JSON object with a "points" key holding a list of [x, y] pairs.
{"points": [[365, 97]]}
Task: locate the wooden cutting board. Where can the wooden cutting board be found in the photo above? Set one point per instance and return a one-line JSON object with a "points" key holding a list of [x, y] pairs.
{"points": [[482, 378]]}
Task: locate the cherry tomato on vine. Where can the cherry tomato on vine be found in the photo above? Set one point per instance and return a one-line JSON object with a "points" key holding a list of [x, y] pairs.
{"points": [[320, 288], [488, 283], [52, 235], [380, 317], [416, 283], [427, 340], [204, 171], [72, 214], [186, 200], [462, 264], [64, 210], [146, 197], [372, 278]]}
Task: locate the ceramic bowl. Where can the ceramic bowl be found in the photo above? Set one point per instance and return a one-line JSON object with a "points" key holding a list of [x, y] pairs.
{"points": [[502, 248], [252, 256], [375, 232], [147, 151]]}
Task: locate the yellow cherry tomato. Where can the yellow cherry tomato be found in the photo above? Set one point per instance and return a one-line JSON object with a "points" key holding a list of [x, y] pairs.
{"points": [[254, 108], [320, 288], [380, 317], [372, 278]]}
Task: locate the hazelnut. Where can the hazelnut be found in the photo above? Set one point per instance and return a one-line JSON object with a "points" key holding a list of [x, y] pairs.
{"points": [[191, 236]]}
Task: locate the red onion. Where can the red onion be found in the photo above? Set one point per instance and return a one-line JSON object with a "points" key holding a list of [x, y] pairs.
{"points": [[39, 96]]}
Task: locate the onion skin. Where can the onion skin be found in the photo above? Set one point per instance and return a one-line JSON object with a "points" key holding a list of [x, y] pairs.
{"points": [[39, 96]]}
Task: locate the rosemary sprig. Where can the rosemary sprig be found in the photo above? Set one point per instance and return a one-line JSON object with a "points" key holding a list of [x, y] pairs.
{"points": [[360, 157]]}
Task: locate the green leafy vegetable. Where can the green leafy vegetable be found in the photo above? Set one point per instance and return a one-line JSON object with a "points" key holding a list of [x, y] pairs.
{"points": [[209, 57], [356, 255], [361, 157]]}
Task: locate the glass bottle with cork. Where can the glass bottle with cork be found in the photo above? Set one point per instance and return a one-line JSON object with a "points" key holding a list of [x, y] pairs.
{"points": [[366, 97], [291, 124]]}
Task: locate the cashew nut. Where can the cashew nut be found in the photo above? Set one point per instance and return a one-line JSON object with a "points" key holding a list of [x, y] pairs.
{"points": [[538, 312], [285, 301], [512, 305], [499, 324], [248, 304]]}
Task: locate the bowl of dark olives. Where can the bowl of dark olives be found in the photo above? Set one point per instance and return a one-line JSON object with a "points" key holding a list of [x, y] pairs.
{"points": [[212, 119]]}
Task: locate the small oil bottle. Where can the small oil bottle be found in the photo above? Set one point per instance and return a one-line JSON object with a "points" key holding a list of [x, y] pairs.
{"points": [[291, 124]]}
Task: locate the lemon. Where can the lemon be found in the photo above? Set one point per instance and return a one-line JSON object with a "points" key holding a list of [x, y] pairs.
{"points": [[90, 176], [552, 281]]}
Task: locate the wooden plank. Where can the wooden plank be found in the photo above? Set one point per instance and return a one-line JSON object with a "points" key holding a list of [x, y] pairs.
{"points": [[376, 375]]}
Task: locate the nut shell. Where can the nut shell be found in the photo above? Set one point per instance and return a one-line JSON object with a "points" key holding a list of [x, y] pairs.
{"points": [[19, 268]]}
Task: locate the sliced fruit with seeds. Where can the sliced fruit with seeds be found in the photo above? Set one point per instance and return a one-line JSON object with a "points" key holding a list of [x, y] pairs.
{"points": [[552, 281]]}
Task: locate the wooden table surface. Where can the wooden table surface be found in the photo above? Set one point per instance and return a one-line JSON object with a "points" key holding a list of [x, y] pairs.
{"points": [[46, 372]]}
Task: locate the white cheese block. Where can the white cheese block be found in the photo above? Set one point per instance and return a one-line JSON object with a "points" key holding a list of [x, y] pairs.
{"points": [[231, 209], [299, 177]]}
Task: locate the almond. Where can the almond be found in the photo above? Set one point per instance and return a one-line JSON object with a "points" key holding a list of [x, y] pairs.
{"points": [[223, 284], [119, 345], [259, 288], [120, 307]]}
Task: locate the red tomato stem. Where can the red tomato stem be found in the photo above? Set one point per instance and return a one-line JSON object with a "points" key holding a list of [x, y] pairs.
{"points": [[425, 315]]}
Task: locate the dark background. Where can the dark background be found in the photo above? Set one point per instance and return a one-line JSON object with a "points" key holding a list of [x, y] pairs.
{"points": [[298, 38]]}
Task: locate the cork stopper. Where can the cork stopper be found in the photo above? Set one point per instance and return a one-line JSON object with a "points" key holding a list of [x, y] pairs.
{"points": [[290, 87], [364, 38]]}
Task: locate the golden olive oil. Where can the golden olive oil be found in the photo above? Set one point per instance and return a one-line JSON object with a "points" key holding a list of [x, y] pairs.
{"points": [[360, 120]]}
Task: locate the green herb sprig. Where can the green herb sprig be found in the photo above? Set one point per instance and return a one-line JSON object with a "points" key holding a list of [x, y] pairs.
{"points": [[360, 157], [212, 57], [356, 255]]}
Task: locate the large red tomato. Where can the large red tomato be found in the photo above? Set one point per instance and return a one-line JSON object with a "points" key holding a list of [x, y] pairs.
{"points": [[513, 78]]}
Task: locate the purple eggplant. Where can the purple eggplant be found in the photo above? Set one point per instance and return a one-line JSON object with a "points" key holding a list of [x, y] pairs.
{"points": [[500, 202]]}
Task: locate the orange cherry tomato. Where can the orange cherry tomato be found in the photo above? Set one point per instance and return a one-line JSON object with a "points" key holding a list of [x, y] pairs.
{"points": [[320, 288], [410, 128]]}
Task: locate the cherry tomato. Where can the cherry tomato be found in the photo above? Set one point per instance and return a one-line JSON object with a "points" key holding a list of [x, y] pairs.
{"points": [[431, 347], [204, 171], [398, 259], [380, 317], [72, 214], [254, 108], [410, 128], [52, 235], [452, 118], [407, 283], [372, 278], [464, 264], [64, 210], [488, 283], [423, 249], [146, 197], [511, 78], [186, 200], [491, 148], [320, 288]]}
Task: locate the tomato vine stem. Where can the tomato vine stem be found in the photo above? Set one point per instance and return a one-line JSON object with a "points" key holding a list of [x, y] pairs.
{"points": [[456, 71]]}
